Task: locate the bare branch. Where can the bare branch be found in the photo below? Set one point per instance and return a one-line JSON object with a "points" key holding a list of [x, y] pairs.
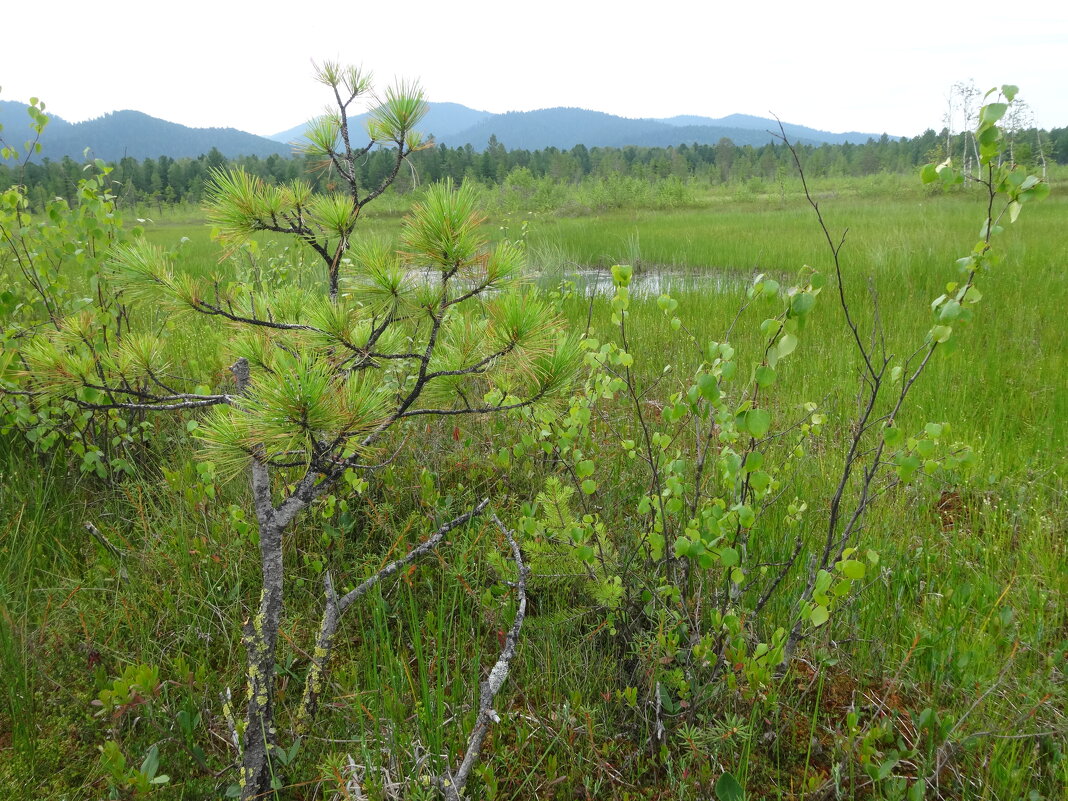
{"points": [[834, 247], [346, 600], [473, 410], [453, 785], [335, 608]]}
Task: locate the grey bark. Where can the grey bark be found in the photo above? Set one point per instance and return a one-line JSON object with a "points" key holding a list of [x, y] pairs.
{"points": [[260, 632], [260, 638]]}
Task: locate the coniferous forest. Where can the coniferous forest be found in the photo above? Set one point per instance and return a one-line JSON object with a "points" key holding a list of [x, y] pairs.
{"points": [[168, 181]]}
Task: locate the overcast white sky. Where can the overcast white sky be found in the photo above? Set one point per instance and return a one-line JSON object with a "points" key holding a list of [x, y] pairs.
{"points": [[865, 66]]}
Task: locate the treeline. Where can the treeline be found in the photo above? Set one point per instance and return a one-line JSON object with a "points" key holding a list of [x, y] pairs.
{"points": [[154, 181], [171, 181]]}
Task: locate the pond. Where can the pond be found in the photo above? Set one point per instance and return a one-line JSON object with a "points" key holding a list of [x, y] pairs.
{"points": [[648, 283]]}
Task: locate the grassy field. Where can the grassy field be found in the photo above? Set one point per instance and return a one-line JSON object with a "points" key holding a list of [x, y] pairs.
{"points": [[966, 616]]}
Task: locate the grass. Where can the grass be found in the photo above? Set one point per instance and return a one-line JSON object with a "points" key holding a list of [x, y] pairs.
{"points": [[907, 251], [966, 617]]}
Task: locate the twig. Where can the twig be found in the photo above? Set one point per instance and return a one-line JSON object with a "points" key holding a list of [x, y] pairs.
{"points": [[110, 548], [949, 747], [452, 785], [336, 606]]}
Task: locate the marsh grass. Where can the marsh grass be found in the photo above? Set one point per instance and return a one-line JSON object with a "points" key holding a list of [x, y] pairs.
{"points": [[969, 598]]}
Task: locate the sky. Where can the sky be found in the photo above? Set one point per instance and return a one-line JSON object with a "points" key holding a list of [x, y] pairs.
{"points": [[838, 66]]}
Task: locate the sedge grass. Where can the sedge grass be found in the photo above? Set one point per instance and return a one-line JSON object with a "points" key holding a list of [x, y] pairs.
{"points": [[953, 605]]}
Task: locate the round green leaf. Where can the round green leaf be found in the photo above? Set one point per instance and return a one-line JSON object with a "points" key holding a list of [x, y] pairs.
{"points": [[802, 304], [941, 333], [786, 345], [757, 422], [820, 615], [851, 568]]}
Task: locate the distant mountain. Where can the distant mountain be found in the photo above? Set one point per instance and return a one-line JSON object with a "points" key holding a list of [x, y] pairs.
{"points": [[131, 133], [134, 134], [442, 120], [749, 122], [566, 127], [554, 127], [16, 124], [456, 125]]}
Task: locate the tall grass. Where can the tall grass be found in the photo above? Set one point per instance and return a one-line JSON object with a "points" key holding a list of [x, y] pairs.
{"points": [[967, 613]]}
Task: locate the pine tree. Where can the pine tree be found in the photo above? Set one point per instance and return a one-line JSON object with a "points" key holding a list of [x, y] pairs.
{"points": [[436, 328]]}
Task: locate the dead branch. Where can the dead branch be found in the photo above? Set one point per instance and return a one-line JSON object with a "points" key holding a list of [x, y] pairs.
{"points": [[452, 785]]}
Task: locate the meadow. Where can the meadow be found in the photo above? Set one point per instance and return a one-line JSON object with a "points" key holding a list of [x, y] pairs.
{"points": [[948, 662]]}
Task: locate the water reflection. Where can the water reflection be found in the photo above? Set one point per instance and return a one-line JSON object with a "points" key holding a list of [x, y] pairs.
{"points": [[591, 281], [644, 284]]}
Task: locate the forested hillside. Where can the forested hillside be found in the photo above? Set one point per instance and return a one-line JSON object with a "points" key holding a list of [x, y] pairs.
{"points": [[132, 134]]}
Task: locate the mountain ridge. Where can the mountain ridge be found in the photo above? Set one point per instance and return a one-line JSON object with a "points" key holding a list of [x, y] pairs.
{"points": [[566, 126], [117, 134], [443, 119], [751, 122], [123, 133]]}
